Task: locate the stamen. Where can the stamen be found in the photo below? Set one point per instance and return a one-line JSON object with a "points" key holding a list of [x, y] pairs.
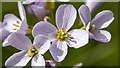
{"points": [[18, 22], [15, 29], [32, 51], [61, 34], [82, 27], [93, 26], [16, 25]]}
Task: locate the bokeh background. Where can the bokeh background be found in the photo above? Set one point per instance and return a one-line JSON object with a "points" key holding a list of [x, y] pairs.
{"points": [[93, 54]]}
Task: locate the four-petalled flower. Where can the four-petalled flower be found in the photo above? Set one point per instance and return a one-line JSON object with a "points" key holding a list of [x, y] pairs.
{"points": [[65, 17], [101, 20], [29, 50]]}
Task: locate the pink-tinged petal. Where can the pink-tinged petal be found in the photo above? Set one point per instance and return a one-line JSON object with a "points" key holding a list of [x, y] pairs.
{"points": [[65, 16], [18, 59], [41, 43], [77, 38], [39, 11], [79, 65], [51, 63], [38, 61], [9, 21], [3, 34], [44, 28], [93, 4], [22, 13], [101, 35], [58, 50], [84, 14], [103, 19], [19, 41]]}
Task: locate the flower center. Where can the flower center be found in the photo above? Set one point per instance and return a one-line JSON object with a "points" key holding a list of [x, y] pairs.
{"points": [[32, 52], [17, 25], [61, 34]]}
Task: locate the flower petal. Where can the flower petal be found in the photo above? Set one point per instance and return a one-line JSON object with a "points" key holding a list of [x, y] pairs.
{"points": [[58, 50], [9, 21], [84, 14], [3, 34], [78, 38], [18, 59], [23, 17], [19, 41], [101, 35], [65, 16], [38, 61], [52, 64], [39, 11], [93, 4], [103, 19], [44, 28], [41, 43]]}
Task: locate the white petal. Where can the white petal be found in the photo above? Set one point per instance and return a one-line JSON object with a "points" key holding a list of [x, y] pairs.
{"points": [[38, 61], [58, 50], [22, 13], [9, 20], [44, 28], [3, 34], [19, 41], [103, 19], [78, 38], [18, 59], [101, 35], [84, 14], [93, 4], [65, 16], [39, 11], [41, 43]]}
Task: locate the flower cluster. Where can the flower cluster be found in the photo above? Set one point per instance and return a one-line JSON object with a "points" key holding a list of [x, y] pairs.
{"points": [[57, 38]]}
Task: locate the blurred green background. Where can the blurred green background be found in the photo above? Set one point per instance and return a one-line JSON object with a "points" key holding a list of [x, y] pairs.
{"points": [[93, 54]]}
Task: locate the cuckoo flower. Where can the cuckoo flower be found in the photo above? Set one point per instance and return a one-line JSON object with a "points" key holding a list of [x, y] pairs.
{"points": [[65, 17], [29, 50], [36, 7], [93, 4], [12, 24], [100, 21]]}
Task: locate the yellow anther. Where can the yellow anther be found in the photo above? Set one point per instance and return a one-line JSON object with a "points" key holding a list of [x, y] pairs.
{"points": [[36, 51], [15, 29], [67, 35], [57, 31], [61, 37], [93, 26], [62, 29], [16, 25], [82, 27], [58, 37], [18, 22], [29, 55], [65, 32]]}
